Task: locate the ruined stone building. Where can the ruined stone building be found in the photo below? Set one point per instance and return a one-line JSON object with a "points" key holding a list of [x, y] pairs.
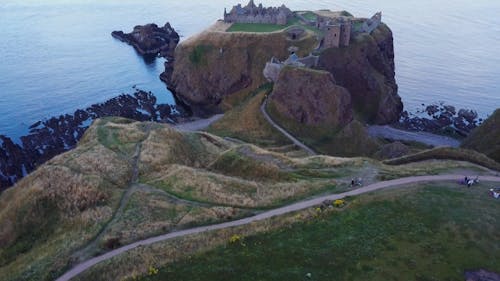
{"points": [[258, 14], [337, 31], [274, 66], [372, 23]]}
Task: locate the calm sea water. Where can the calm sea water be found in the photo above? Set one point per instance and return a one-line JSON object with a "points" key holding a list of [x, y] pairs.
{"points": [[58, 55]]}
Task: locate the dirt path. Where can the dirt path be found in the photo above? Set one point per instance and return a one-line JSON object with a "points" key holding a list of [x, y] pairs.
{"points": [[90, 248], [262, 216], [422, 137], [283, 131], [198, 125]]}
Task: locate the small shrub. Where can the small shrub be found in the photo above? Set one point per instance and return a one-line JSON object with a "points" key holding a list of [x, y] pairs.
{"points": [[339, 203], [235, 238], [152, 270], [197, 55]]}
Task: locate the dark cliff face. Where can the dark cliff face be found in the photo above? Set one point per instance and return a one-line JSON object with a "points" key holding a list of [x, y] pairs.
{"points": [[366, 69], [310, 97]]}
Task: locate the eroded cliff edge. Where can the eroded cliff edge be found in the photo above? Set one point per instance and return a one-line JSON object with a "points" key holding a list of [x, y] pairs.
{"points": [[215, 69]]}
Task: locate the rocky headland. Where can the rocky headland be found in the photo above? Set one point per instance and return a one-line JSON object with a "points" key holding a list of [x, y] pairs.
{"points": [[215, 68], [151, 40], [48, 138]]}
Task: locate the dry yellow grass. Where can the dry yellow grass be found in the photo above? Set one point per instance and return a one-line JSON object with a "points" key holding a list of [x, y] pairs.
{"points": [[246, 122], [151, 212], [205, 186]]}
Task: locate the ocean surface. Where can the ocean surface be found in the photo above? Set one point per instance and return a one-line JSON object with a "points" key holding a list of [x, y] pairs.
{"points": [[58, 55]]}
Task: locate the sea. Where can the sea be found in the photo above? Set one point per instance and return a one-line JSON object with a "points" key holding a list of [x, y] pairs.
{"points": [[58, 55]]}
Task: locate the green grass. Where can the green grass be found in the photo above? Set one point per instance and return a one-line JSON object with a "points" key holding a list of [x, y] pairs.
{"points": [[198, 55], [430, 233], [310, 16], [264, 27], [260, 27]]}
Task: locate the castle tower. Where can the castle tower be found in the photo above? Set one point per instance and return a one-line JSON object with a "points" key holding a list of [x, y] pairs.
{"points": [[345, 33], [332, 36]]}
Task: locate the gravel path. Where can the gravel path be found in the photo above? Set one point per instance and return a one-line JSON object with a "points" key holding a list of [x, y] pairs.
{"points": [[422, 137], [265, 215], [283, 131], [198, 125]]}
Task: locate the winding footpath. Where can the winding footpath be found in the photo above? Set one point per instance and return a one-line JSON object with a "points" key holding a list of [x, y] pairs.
{"points": [[197, 125], [401, 182], [283, 131]]}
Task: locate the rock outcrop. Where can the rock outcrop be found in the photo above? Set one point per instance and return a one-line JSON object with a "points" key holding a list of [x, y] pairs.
{"points": [[311, 97], [366, 69], [214, 66], [486, 138], [151, 40]]}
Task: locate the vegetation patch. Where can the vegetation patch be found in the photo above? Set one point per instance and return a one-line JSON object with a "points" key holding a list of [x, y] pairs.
{"points": [[450, 154], [246, 122], [435, 235], [260, 27], [350, 141], [199, 53]]}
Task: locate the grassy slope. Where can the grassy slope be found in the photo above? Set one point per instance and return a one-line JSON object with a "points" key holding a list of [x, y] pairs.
{"points": [[447, 153], [245, 122], [436, 235]]}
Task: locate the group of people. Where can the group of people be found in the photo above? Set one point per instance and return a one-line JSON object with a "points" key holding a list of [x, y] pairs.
{"points": [[470, 181], [494, 192], [357, 182]]}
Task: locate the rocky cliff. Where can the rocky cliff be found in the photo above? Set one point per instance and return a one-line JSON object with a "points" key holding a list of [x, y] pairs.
{"points": [[213, 67], [366, 69], [312, 98]]}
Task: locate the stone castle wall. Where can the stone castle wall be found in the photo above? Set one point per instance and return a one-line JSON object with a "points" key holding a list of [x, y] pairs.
{"points": [[258, 14]]}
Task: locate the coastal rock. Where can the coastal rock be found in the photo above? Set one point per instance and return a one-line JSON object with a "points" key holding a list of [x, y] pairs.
{"points": [[312, 98], [486, 138], [366, 69], [151, 40], [442, 119]]}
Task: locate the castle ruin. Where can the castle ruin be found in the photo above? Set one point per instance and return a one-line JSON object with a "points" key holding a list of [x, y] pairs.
{"points": [[258, 14], [372, 23], [337, 31]]}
